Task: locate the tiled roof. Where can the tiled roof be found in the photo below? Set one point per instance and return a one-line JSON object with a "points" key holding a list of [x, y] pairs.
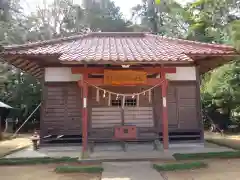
{"points": [[120, 47]]}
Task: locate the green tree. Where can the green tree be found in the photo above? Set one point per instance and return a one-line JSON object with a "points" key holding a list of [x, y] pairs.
{"points": [[105, 16], [218, 21], [166, 18]]}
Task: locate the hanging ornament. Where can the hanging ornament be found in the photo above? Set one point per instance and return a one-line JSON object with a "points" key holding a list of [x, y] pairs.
{"points": [[109, 99], [117, 97], [149, 95], [97, 95], [104, 94], [133, 96], [138, 100], [123, 101], [144, 93]]}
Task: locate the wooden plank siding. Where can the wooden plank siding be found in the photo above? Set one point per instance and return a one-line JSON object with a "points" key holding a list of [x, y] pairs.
{"points": [[62, 106], [182, 106], [62, 109], [187, 106], [105, 117], [139, 116]]}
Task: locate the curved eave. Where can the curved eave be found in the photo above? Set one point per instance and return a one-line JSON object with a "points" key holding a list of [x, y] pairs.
{"points": [[209, 63], [25, 62], [25, 65]]}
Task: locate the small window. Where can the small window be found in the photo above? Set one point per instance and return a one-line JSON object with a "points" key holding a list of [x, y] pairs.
{"points": [[116, 102], [128, 102], [131, 102]]}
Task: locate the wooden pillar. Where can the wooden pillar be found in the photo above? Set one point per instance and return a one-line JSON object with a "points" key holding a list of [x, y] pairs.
{"points": [[84, 116], [165, 112]]}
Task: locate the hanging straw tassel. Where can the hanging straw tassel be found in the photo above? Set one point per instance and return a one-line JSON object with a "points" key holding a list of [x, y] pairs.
{"points": [[149, 95], [138, 100], [97, 95], [123, 102], [109, 99]]}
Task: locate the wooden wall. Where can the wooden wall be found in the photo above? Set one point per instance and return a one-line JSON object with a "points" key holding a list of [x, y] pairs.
{"points": [[183, 106], [101, 112], [61, 108], [61, 113]]}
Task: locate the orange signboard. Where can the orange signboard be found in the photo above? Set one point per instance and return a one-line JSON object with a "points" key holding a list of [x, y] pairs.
{"points": [[124, 77]]}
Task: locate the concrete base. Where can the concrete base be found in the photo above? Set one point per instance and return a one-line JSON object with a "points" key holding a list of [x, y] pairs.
{"points": [[186, 145], [135, 152], [129, 156], [85, 155]]}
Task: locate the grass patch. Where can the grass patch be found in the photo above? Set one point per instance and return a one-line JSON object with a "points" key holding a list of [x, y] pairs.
{"points": [[179, 166], [32, 161], [78, 169], [209, 155]]}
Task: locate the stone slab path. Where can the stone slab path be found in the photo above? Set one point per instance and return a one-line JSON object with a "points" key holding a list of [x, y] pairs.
{"points": [[130, 171]]}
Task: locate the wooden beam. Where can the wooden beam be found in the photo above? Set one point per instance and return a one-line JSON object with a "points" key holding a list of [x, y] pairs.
{"points": [[159, 69], [30, 66], [93, 81], [25, 65], [10, 59], [84, 70], [38, 75], [97, 70], [17, 62], [35, 71], [21, 64], [32, 70], [84, 87], [100, 81], [165, 113], [153, 81]]}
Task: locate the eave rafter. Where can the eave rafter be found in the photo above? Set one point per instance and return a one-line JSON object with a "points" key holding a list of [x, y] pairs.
{"points": [[210, 63], [25, 65]]}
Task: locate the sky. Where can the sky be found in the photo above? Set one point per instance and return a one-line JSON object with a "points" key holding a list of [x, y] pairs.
{"points": [[125, 5]]}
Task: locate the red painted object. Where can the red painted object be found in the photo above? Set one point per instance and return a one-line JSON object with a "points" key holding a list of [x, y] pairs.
{"points": [[125, 132]]}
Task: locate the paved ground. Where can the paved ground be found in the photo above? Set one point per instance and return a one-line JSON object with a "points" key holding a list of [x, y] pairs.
{"points": [[217, 170], [41, 172], [73, 151], [10, 145], [143, 152], [129, 171]]}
